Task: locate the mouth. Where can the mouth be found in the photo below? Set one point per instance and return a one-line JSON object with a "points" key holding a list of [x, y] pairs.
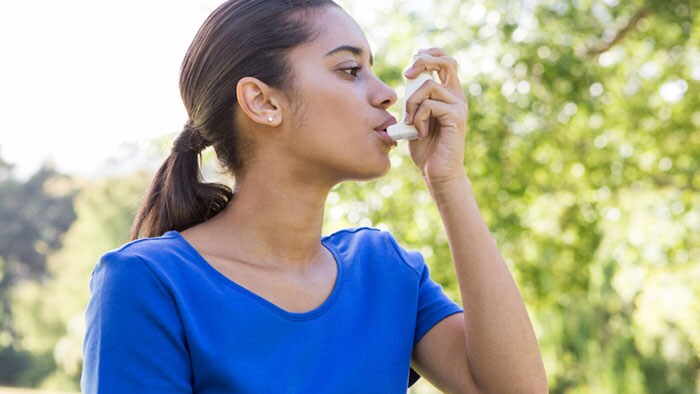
{"points": [[383, 134]]}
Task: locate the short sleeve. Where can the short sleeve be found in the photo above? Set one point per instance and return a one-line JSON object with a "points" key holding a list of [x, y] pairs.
{"points": [[134, 341], [433, 303]]}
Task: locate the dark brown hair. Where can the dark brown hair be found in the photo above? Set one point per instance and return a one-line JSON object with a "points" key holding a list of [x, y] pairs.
{"points": [[241, 38]]}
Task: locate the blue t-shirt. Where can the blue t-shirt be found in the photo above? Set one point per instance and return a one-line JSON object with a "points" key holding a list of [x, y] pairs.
{"points": [[162, 320]]}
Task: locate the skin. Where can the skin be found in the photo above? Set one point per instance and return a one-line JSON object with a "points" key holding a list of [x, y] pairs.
{"points": [[268, 238]]}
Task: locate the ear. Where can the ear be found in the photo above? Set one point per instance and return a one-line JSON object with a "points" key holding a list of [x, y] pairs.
{"points": [[259, 101]]}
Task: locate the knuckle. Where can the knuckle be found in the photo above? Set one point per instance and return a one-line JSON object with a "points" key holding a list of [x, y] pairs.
{"points": [[427, 87], [452, 62], [463, 108], [419, 58]]}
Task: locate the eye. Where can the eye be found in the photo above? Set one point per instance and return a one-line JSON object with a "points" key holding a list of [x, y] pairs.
{"points": [[352, 70]]}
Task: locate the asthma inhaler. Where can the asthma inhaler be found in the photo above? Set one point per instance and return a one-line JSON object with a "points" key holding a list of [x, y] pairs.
{"points": [[401, 130]]}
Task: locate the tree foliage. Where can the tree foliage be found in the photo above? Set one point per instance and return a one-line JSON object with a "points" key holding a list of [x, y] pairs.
{"points": [[34, 215], [583, 146]]}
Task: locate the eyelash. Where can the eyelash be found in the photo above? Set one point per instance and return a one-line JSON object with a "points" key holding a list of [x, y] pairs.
{"points": [[355, 70]]}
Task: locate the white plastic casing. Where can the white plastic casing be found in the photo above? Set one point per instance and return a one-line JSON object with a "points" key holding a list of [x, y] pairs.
{"points": [[401, 130]]}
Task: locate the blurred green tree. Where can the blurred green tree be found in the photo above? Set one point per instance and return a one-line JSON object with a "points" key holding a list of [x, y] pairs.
{"points": [[34, 214], [583, 150]]}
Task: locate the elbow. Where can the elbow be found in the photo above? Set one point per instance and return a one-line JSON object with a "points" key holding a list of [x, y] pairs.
{"points": [[532, 386], [540, 389], [537, 385], [543, 386], [534, 379]]}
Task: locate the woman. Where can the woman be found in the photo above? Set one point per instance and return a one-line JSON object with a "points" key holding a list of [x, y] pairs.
{"points": [[239, 292]]}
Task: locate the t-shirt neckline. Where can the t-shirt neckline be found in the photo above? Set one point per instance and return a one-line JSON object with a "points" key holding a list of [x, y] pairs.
{"points": [[316, 312]]}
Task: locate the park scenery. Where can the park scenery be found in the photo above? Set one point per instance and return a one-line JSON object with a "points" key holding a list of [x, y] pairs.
{"points": [[583, 149]]}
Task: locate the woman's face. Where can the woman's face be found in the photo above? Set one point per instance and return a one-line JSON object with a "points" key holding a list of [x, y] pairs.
{"points": [[339, 103]]}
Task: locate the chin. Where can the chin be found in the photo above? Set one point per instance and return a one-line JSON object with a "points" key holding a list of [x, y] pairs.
{"points": [[376, 171], [386, 168], [385, 165], [361, 166]]}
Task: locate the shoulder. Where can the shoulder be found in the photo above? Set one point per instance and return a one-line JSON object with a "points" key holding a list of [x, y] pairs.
{"points": [[146, 256], [372, 242], [164, 248], [148, 247]]}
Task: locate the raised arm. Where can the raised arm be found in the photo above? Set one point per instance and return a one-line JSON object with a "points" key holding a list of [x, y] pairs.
{"points": [[492, 347]]}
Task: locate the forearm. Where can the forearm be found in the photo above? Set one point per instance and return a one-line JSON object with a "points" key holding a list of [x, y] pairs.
{"points": [[502, 349]]}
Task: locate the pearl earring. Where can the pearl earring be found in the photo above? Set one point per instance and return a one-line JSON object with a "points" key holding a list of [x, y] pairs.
{"points": [[270, 119]]}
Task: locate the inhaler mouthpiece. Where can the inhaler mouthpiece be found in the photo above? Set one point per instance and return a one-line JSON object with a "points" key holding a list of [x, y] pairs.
{"points": [[401, 130]]}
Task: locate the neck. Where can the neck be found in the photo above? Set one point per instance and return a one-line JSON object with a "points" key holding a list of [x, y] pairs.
{"points": [[275, 222]]}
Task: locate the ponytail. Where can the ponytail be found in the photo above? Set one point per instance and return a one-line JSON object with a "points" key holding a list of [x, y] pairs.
{"points": [[178, 197]]}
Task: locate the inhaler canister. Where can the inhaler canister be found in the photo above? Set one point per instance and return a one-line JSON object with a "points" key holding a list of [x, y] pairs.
{"points": [[401, 130]]}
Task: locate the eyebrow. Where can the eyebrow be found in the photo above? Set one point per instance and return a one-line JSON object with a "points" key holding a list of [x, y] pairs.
{"points": [[354, 50]]}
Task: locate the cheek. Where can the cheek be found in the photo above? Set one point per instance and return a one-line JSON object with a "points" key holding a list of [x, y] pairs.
{"points": [[334, 105]]}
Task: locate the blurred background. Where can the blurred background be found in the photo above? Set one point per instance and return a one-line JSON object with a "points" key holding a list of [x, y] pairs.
{"points": [[583, 148]]}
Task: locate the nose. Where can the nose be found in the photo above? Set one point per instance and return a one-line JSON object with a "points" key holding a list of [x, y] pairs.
{"points": [[383, 95]]}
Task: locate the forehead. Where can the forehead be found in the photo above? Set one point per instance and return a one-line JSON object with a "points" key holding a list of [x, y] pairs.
{"points": [[336, 28]]}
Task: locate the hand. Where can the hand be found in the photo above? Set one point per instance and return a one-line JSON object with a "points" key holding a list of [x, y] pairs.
{"points": [[439, 111]]}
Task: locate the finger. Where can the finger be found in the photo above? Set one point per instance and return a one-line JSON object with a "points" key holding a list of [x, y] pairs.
{"points": [[428, 108], [445, 66], [434, 51], [429, 90]]}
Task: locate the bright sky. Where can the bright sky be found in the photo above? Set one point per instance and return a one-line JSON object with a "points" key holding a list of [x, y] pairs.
{"points": [[80, 77]]}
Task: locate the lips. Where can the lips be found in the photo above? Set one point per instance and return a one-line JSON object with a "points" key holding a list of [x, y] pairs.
{"points": [[384, 136], [382, 133], [390, 120]]}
